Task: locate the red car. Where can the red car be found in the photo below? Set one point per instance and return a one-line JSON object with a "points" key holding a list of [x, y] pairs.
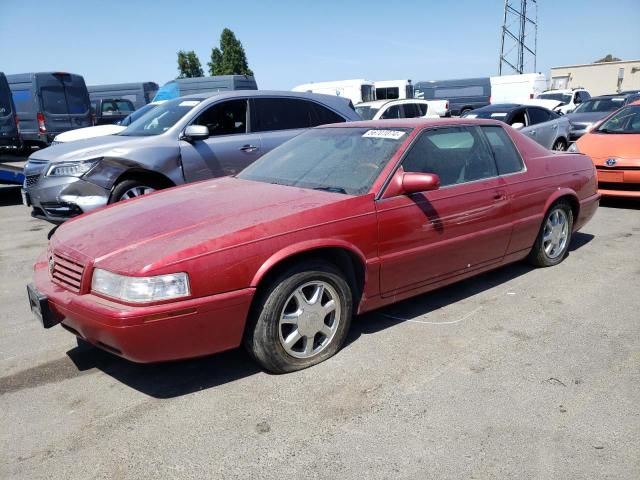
{"points": [[340, 220]]}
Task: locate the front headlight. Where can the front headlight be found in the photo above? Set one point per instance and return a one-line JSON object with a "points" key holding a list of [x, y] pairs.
{"points": [[573, 148], [71, 169], [140, 289]]}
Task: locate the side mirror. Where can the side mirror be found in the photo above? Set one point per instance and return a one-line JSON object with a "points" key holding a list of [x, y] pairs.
{"points": [[196, 132], [419, 182], [517, 125]]}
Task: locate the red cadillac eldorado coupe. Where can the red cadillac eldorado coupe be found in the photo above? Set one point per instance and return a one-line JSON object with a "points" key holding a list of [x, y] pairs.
{"points": [[340, 220]]}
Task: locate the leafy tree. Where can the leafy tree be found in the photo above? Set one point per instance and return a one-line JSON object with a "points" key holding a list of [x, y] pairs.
{"points": [[189, 65], [230, 58], [608, 58]]}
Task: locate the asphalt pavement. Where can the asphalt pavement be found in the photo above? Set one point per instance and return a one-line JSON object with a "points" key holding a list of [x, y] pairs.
{"points": [[518, 373]]}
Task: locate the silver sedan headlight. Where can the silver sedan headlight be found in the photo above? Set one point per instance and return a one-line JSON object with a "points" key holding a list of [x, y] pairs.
{"points": [[71, 169], [140, 289], [573, 148]]}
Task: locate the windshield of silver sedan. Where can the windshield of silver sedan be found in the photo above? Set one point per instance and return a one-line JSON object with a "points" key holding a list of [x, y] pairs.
{"points": [[161, 118], [343, 160]]}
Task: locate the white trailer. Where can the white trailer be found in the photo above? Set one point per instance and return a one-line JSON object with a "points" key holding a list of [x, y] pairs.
{"points": [[357, 91], [517, 88]]}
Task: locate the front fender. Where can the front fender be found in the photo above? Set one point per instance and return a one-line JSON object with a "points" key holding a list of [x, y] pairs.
{"points": [[107, 172], [304, 247]]}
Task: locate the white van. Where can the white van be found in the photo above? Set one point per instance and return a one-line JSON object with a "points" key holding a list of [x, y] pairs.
{"points": [[517, 88], [357, 91], [393, 89]]}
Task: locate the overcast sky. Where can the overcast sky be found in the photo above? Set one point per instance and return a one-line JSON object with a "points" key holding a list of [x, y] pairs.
{"points": [[293, 42]]}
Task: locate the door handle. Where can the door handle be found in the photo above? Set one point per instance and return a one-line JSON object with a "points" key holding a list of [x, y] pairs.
{"points": [[248, 148], [499, 195]]}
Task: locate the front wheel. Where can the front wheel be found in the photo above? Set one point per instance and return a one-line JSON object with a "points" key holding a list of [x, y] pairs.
{"points": [[554, 237], [301, 319], [128, 189]]}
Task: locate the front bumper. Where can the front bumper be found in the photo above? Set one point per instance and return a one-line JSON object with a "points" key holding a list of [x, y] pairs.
{"points": [[619, 182], [57, 199], [170, 331]]}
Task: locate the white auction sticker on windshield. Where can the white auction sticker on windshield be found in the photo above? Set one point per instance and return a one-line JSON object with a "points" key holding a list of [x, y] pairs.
{"points": [[189, 103], [391, 134]]}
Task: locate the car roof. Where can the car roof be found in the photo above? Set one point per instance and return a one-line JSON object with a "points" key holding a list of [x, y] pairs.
{"points": [[380, 103], [501, 107], [326, 99], [415, 123]]}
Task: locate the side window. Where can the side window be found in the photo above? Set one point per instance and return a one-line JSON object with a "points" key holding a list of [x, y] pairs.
{"points": [[279, 114], [537, 115], [392, 112], [518, 117], [507, 157], [321, 115], [226, 118], [424, 108], [456, 154], [585, 96], [411, 110]]}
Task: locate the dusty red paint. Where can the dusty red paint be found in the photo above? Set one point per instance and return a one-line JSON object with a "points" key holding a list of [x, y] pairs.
{"points": [[228, 233]]}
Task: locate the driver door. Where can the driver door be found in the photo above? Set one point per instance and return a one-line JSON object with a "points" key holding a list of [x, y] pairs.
{"points": [[229, 148]]}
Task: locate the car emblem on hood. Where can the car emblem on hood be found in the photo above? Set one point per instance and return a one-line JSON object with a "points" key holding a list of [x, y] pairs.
{"points": [[610, 162]]}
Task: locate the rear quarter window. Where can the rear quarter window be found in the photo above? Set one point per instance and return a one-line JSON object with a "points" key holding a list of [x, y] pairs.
{"points": [[507, 157]]}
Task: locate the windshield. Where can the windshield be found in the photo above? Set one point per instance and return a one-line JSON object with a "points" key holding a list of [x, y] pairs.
{"points": [[627, 120], [133, 116], [559, 97], [341, 160], [367, 113], [600, 105], [160, 119]]}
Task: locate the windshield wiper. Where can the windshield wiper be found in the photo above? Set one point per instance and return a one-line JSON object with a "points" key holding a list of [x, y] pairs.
{"points": [[331, 189]]}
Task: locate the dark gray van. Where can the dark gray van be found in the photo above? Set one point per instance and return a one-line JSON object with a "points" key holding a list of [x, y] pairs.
{"points": [[139, 93], [9, 132], [189, 86], [464, 94], [48, 104]]}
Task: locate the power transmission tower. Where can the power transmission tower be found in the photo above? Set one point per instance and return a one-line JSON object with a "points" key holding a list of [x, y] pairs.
{"points": [[518, 48]]}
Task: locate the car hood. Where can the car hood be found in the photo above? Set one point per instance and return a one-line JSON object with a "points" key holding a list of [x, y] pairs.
{"points": [[600, 146], [151, 232], [88, 132], [590, 117], [106, 146]]}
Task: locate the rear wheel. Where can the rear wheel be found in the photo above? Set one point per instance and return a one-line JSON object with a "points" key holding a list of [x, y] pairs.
{"points": [[464, 111], [554, 237], [128, 189], [560, 145], [301, 319]]}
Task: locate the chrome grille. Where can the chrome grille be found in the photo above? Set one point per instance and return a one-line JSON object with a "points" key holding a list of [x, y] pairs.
{"points": [[66, 272], [31, 180]]}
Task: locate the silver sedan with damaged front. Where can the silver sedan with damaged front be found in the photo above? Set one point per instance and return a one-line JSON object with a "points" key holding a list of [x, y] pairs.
{"points": [[183, 140]]}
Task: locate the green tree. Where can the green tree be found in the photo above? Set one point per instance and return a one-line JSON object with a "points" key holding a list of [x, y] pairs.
{"points": [[607, 58], [230, 58], [189, 65]]}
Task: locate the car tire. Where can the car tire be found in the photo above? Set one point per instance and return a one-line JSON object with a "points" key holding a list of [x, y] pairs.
{"points": [[464, 111], [301, 319], [552, 243], [128, 189], [560, 145]]}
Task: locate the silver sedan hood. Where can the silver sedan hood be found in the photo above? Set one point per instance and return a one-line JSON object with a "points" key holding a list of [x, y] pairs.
{"points": [[109, 146]]}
